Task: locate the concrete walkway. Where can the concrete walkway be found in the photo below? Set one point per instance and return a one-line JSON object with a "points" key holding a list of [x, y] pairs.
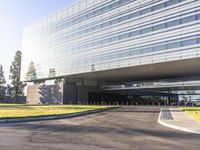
{"points": [[179, 120]]}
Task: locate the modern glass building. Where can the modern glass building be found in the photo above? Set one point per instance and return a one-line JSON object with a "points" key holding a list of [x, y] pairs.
{"points": [[94, 36]]}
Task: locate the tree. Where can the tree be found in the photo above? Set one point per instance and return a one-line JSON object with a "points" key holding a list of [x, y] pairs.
{"points": [[17, 87], [2, 82], [52, 72], [31, 74], [8, 89]]}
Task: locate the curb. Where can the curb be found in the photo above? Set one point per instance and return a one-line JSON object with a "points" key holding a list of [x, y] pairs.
{"points": [[55, 117], [174, 126]]}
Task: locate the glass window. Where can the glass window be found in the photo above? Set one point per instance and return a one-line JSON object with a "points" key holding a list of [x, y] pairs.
{"points": [[171, 2], [105, 41], [135, 52], [102, 25], [115, 38], [120, 37], [106, 8], [124, 18], [90, 15], [188, 42], [158, 27], [158, 7], [114, 21], [97, 59], [90, 45], [134, 33], [197, 17], [159, 47], [198, 40], [124, 36], [82, 63], [145, 11], [105, 57], [98, 43], [86, 46], [94, 44], [136, 14], [173, 45], [173, 23], [187, 19], [124, 1], [88, 61], [75, 64], [95, 28], [82, 47], [98, 11], [114, 5], [114, 56], [106, 24], [146, 50], [125, 54], [146, 30]]}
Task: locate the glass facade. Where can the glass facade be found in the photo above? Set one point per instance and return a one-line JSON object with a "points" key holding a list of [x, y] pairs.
{"points": [[97, 35]]}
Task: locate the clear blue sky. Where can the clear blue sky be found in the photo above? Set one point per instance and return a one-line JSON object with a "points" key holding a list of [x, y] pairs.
{"points": [[14, 16]]}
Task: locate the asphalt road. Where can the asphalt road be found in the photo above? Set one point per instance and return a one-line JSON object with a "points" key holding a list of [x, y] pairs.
{"points": [[120, 129]]}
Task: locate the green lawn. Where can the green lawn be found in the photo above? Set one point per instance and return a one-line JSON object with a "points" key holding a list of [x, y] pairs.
{"points": [[20, 111], [193, 111]]}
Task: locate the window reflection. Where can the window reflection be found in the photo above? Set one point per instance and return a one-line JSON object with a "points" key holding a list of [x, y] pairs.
{"points": [[94, 38]]}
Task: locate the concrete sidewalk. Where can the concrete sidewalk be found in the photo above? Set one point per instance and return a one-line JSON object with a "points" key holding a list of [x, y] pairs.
{"points": [[179, 120]]}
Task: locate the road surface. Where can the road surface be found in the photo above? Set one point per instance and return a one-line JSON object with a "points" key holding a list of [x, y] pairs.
{"points": [[128, 128]]}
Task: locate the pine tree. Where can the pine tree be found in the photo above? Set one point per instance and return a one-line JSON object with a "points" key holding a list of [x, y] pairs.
{"points": [[31, 74], [52, 72], [8, 89], [2, 82], [17, 87]]}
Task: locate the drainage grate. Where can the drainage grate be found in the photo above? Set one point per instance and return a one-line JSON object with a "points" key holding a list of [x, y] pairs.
{"points": [[166, 114]]}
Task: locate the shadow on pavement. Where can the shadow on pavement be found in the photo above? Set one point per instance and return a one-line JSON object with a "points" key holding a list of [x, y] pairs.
{"points": [[104, 130], [136, 110]]}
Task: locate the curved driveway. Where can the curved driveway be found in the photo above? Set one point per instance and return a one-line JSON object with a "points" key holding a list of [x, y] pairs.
{"points": [[128, 128]]}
